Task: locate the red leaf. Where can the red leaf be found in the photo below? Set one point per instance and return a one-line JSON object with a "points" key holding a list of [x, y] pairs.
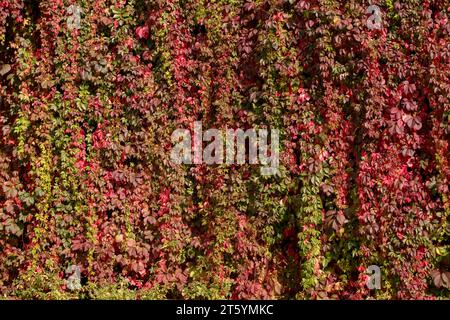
{"points": [[142, 32]]}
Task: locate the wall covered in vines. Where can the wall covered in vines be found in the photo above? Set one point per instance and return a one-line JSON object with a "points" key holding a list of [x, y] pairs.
{"points": [[88, 107]]}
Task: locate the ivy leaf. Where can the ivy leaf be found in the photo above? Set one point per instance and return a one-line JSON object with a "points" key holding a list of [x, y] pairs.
{"points": [[412, 122], [9, 190], [409, 87], [341, 218], [395, 113], [46, 84], [410, 105], [13, 228], [441, 279], [5, 69], [417, 124]]}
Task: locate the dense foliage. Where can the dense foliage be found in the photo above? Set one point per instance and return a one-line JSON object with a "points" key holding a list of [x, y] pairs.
{"points": [[87, 114]]}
